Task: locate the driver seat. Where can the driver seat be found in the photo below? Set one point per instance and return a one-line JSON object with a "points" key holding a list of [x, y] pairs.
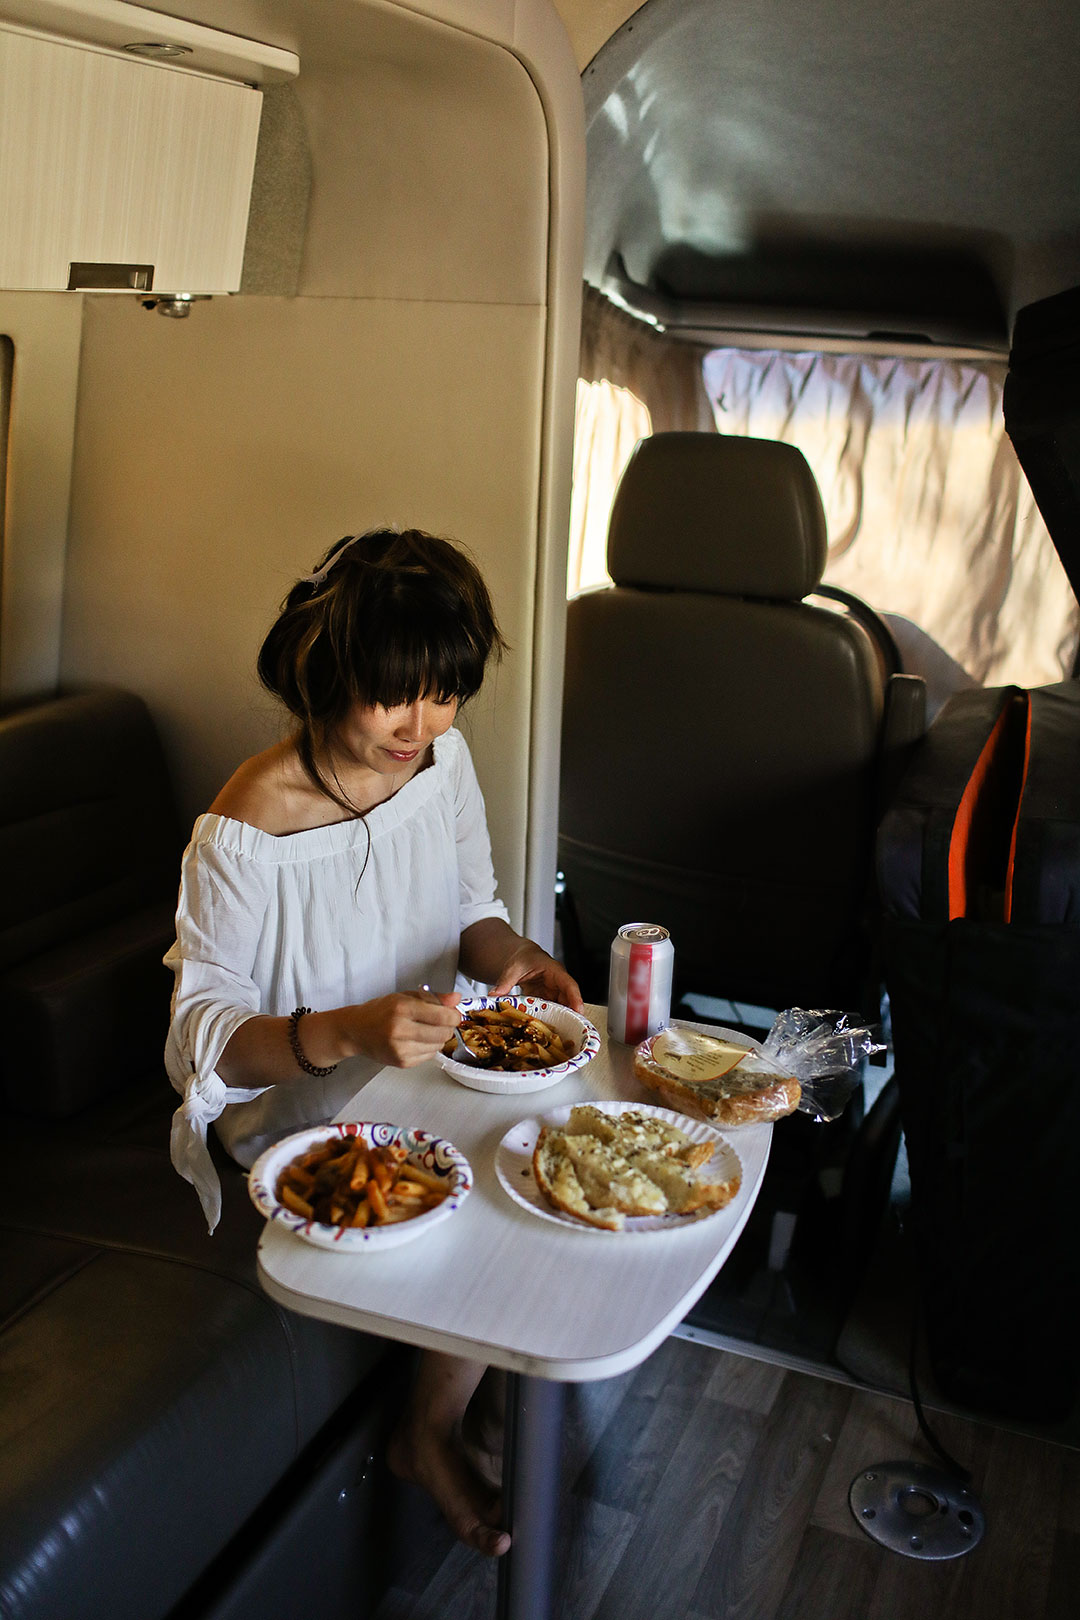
{"points": [[727, 743]]}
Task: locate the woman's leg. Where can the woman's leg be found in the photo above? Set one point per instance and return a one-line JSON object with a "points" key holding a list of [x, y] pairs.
{"points": [[426, 1448]]}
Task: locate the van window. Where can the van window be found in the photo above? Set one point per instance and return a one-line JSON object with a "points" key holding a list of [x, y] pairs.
{"points": [[929, 514], [930, 518]]}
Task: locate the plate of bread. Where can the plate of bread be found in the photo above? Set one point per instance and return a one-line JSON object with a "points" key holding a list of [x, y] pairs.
{"points": [[721, 1076], [618, 1167]]}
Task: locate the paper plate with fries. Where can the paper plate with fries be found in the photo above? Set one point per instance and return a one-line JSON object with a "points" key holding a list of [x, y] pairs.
{"points": [[359, 1186], [518, 1043]]}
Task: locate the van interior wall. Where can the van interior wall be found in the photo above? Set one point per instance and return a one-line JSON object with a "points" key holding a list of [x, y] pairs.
{"points": [[44, 330], [394, 376]]}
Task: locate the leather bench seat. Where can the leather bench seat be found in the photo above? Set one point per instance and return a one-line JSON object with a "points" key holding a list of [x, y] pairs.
{"points": [[171, 1441], [83, 1014], [152, 1393]]}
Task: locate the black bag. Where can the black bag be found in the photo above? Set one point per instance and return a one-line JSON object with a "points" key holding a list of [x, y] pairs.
{"points": [[1042, 415], [979, 867]]}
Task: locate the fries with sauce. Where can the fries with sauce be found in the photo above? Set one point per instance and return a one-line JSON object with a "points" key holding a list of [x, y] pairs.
{"points": [[343, 1182]]}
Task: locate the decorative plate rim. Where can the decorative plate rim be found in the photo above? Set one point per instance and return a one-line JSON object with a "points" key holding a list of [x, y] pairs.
{"points": [[433, 1152], [537, 1005]]}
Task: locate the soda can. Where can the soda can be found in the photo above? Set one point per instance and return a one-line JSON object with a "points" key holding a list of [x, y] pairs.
{"points": [[639, 988]]}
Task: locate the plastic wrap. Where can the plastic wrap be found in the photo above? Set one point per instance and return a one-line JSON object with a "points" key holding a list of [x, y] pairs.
{"points": [[825, 1052]]}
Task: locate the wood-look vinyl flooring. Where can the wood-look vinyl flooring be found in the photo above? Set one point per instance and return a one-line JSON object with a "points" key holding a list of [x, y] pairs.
{"points": [[707, 1486]]}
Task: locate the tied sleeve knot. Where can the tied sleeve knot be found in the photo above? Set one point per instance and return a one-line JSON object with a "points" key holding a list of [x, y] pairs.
{"points": [[206, 1096]]}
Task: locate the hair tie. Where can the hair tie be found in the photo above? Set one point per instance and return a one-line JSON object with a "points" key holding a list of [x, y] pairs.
{"points": [[316, 579]]}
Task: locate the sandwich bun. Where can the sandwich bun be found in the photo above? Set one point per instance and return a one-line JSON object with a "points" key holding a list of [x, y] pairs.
{"points": [[714, 1079]]}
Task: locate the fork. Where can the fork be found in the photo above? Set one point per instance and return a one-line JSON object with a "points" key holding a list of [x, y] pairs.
{"points": [[461, 1051]]}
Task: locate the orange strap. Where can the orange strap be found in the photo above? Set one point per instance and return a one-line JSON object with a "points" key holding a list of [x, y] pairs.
{"points": [[960, 840], [1019, 801]]}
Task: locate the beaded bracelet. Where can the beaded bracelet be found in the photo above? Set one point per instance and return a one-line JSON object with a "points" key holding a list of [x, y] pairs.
{"points": [[294, 1042]]}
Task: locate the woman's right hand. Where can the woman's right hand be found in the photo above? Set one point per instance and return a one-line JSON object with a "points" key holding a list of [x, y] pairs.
{"points": [[401, 1029]]}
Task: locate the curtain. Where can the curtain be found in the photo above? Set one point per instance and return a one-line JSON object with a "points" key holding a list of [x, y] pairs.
{"points": [[929, 514], [608, 423], [663, 372], [633, 382]]}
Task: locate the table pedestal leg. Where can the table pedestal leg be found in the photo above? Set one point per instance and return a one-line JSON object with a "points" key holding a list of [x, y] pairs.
{"points": [[531, 1492]]}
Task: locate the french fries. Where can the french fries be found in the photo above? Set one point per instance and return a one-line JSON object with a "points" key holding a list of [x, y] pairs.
{"points": [[344, 1182], [505, 1037]]}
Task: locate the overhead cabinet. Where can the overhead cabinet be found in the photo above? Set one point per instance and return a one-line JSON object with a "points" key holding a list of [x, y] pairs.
{"points": [[120, 172]]}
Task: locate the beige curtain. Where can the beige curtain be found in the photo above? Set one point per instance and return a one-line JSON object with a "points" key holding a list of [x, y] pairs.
{"points": [[634, 381], [609, 422], [662, 372], [929, 514]]}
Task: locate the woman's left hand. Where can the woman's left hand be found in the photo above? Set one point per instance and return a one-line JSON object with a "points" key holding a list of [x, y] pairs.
{"points": [[539, 975], [494, 954]]}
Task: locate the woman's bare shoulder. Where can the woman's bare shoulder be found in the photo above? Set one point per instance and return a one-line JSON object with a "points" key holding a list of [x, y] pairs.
{"points": [[263, 791]]}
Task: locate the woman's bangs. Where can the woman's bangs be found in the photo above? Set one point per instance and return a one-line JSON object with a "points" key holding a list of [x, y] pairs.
{"points": [[418, 663]]}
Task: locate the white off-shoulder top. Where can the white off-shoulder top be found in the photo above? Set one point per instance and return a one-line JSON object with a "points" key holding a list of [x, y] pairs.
{"points": [[266, 924]]}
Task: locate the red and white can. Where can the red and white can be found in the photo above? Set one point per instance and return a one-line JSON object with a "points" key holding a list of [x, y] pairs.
{"points": [[639, 988]]}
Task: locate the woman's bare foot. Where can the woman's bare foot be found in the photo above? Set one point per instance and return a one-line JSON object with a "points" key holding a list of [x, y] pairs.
{"points": [[483, 1427], [426, 1449]]}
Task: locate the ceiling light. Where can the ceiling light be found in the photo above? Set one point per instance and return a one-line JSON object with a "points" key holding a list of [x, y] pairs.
{"points": [[175, 305], [158, 50]]}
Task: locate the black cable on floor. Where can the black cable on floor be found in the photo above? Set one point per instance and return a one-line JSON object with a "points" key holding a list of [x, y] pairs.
{"points": [[925, 1430]]}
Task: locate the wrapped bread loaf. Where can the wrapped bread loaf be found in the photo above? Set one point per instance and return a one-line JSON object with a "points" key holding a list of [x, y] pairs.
{"points": [[713, 1079], [603, 1167]]}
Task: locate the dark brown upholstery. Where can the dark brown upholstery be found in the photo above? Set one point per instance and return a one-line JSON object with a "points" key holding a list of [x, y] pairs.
{"points": [[170, 1436], [722, 739], [702, 512], [89, 853], [88, 828]]}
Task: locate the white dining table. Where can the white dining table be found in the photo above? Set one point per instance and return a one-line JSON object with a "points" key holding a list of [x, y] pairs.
{"points": [[551, 1302]]}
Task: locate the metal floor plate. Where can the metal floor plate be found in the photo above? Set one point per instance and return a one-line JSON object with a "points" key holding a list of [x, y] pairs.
{"points": [[915, 1509]]}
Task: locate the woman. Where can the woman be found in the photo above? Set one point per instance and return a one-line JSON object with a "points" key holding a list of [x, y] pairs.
{"points": [[336, 873]]}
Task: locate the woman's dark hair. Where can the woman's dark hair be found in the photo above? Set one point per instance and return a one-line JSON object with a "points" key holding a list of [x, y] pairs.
{"points": [[386, 619]]}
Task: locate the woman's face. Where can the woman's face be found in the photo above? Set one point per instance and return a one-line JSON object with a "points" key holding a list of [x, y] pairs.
{"points": [[392, 740]]}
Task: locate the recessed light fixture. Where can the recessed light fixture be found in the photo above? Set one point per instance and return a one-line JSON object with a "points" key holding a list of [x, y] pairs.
{"points": [[176, 305], [158, 49]]}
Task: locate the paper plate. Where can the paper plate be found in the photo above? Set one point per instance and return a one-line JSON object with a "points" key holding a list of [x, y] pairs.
{"points": [[513, 1166], [570, 1025], [431, 1153]]}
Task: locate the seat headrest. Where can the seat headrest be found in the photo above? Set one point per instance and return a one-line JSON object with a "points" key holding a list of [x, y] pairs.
{"points": [[712, 512]]}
